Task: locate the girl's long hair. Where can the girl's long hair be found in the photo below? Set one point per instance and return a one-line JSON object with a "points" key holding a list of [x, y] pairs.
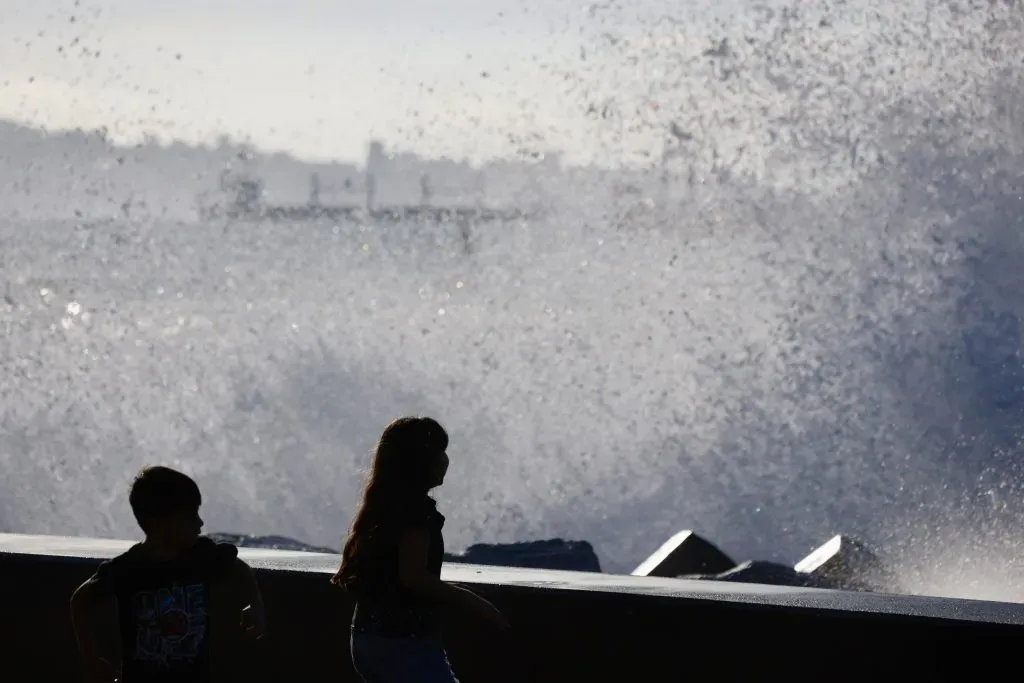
{"points": [[404, 464]]}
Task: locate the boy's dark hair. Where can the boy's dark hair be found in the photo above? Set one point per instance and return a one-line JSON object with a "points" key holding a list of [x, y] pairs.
{"points": [[158, 491]]}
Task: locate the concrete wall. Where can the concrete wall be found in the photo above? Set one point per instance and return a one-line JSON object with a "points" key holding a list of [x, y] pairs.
{"points": [[567, 626]]}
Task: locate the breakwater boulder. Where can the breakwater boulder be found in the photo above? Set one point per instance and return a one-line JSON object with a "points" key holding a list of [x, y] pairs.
{"points": [[547, 554], [841, 562]]}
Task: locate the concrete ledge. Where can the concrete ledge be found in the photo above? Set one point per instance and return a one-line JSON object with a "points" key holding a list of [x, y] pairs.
{"points": [[568, 626]]}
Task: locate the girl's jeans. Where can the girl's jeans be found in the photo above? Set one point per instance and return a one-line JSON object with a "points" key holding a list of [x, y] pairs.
{"points": [[378, 659]]}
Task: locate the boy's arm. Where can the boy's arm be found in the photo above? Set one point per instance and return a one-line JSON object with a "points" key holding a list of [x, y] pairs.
{"points": [[254, 620], [88, 604]]}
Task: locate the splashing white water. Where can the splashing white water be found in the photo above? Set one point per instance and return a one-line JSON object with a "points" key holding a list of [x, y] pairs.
{"points": [[804, 323]]}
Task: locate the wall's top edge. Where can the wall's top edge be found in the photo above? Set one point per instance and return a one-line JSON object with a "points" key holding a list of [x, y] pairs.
{"points": [[758, 594]]}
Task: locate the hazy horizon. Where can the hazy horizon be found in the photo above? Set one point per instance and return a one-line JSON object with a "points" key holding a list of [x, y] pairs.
{"points": [[317, 81], [154, 141], [475, 80]]}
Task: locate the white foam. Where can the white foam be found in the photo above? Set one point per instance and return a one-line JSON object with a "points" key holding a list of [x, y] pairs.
{"points": [[763, 365]]}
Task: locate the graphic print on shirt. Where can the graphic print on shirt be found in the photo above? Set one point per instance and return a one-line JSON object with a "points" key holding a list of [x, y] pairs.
{"points": [[170, 624]]}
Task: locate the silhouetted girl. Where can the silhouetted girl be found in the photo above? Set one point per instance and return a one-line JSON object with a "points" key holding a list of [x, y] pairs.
{"points": [[391, 563]]}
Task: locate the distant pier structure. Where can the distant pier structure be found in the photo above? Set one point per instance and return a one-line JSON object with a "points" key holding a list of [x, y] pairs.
{"points": [[246, 196]]}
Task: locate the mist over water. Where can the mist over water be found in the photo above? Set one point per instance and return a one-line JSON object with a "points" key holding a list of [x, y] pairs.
{"points": [[805, 322]]}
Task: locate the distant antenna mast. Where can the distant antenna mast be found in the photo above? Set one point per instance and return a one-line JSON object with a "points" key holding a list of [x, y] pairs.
{"points": [[314, 189], [481, 188], [425, 190], [371, 190], [374, 161]]}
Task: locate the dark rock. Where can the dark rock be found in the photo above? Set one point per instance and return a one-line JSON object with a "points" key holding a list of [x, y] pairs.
{"points": [[846, 563], [270, 542], [841, 563], [550, 554], [770, 573], [686, 553]]}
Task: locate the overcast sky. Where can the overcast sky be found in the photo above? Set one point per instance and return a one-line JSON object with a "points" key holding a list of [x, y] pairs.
{"points": [[318, 79]]}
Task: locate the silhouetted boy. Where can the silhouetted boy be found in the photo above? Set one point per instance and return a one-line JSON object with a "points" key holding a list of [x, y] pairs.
{"points": [[180, 599]]}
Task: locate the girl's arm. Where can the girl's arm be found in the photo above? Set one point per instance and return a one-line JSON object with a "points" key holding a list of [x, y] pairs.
{"points": [[413, 551]]}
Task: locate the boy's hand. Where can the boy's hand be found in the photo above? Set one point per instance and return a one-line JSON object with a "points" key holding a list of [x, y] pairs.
{"points": [[253, 622]]}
